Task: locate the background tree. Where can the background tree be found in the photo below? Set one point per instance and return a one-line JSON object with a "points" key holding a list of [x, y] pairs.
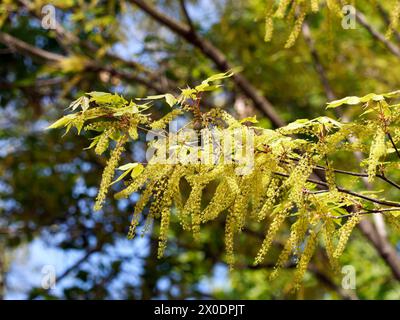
{"points": [[140, 48]]}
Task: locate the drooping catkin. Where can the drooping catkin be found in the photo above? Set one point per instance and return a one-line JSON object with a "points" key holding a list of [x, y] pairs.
{"points": [[330, 177], [298, 178], [221, 200], [334, 7], [282, 8], [329, 234], [102, 144], [164, 227], [344, 234], [269, 23], [229, 240], [297, 233], [166, 206], [314, 5], [296, 29], [394, 20], [274, 227], [269, 28], [377, 150], [271, 195], [393, 221], [108, 173], [133, 131], [139, 207], [305, 259], [164, 121], [193, 208]]}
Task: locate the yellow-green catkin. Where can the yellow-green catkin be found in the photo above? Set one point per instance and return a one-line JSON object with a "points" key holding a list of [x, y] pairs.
{"points": [[229, 240], [164, 121], [298, 179], [330, 177], [166, 209], [102, 144], [133, 130], [166, 204], [334, 7], [271, 196], [269, 23], [152, 171], [296, 29], [393, 220], [221, 200], [279, 218], [305, 259], [194, 208], [297, 233], [139, 207], [164, 227], [344, 234], [269, 28], [394, 20], [240, 207], [329, 232], [158, 195], [108, 173], [377, 151], [282, 8], [314, 5]]}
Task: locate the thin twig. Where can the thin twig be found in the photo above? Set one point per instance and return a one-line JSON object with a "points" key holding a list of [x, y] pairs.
{"points": [[343, 190], [393, 144], [187, 16]]}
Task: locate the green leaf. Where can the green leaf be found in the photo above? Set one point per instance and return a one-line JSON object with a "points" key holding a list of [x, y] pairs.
{"points": [[106, 98], [327, 120], [298, 124], [348, 100], [170, 99], [64, 121], [218, 76], [127, 166], [156, 97], [120, 177], [93, 143], [135, 169]]}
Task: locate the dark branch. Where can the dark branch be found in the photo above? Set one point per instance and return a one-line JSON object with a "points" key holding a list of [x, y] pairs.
{"points": [[393, 144], [343, 190], [215, 55]]}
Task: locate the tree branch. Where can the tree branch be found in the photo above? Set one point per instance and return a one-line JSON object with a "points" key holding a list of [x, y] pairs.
{"points": [[386, 18], [187, 16], [379, 230], [317, 62], [27, 49], [383, 247], [24, 47], [393, 144], [215, 55], [377, 35], [343, 190]]}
